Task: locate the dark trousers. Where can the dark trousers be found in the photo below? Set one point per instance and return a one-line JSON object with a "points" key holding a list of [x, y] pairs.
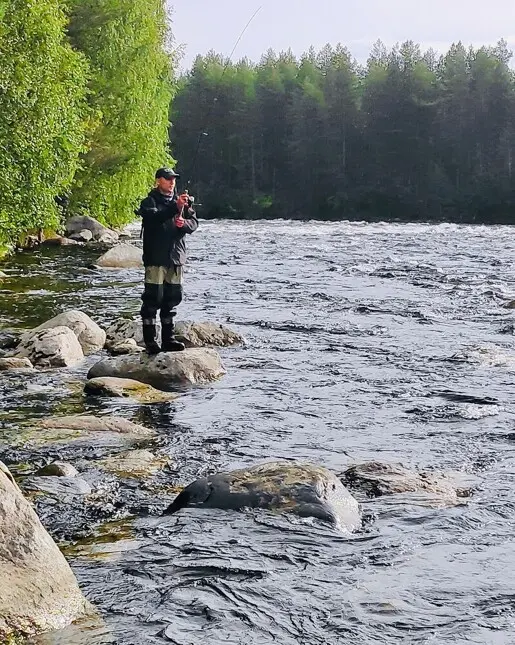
{"points": [[163, 291]]}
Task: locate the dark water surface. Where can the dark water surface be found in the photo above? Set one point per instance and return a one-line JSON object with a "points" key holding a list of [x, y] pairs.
{"points": [[365, 342]]}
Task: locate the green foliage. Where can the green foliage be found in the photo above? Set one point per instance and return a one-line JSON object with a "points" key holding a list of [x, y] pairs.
{"points": [[130, 90], [42, 114], [413, 135]]}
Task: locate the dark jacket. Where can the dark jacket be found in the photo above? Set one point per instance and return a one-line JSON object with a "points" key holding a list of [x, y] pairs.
{"points": [[164, 243]]}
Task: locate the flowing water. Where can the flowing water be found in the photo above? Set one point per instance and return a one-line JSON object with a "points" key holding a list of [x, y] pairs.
{"points": [[364, 342]]}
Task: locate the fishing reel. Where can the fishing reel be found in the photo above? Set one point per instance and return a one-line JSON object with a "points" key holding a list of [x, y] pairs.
{"points": [[191, 199]]}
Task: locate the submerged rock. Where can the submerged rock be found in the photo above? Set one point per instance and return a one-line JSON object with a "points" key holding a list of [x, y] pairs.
{"points": [[376, 479], [10, 364], [121, 256], [192, 366], [192, 334], [135, 463], [304, 489], [60, 487], [85, 429], [90, 336], [127, 388], [56, 347], [38, 591]]}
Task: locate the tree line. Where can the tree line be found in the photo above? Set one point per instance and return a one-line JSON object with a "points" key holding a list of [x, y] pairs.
{"points": [[85, 90], [411, 135]]}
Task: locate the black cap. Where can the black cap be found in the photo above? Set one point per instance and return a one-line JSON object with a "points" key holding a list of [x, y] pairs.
{"points": [[166, 173]]}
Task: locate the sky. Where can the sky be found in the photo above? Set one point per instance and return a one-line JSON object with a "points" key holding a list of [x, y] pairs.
{"points": [[201, 25]]}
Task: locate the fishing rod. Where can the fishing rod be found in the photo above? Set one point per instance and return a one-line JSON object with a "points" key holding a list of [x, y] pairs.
{"points": [[207, 118]]}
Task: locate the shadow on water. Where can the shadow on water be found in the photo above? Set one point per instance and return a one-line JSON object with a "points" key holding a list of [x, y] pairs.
{"points": [[365, 342]]}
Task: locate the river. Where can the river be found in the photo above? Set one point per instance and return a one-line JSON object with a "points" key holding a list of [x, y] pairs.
{"points": [[379, 341]]}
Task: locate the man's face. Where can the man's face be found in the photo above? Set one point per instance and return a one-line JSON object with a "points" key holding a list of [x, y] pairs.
{"points": [[166, 186]]}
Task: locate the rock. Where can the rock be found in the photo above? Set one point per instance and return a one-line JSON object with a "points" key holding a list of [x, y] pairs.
{"points": [[206, 334], [90, 630], [85, 429], [3, 275], [122, 387], [192, 366], [9, 338], [376, 479], [192, 334], [7, 364], [510, 305], [109, 238], [38, 591], [135, 463], [121, 256], [125, 329], [90, 336], [57, 469], [129, 346], [61, 241], [303, 489], [31, 242], [79, 223], [56, 347], [60, 487], [82, 236]]}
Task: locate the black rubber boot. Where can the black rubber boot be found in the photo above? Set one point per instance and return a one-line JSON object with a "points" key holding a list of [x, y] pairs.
{"points": [[169, 343], [150, 339]]}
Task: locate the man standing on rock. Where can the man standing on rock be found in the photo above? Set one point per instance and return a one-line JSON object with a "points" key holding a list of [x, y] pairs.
{"points": [[167, 219]]}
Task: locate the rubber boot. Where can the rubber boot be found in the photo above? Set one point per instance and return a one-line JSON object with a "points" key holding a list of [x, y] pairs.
{"points": [[168, 342], [150, 339]]}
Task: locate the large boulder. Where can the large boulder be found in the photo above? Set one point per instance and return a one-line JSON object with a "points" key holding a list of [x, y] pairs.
{"points": [[121, 256], [192, 334], [376, 479], [56, 347], [75, 225], [192, 366], [111, 387], [90, 336], [304, 489], [38, 591]]}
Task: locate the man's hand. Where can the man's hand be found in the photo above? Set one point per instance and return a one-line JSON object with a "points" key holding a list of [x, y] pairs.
{"points": [[179, 221], [183, 201]]}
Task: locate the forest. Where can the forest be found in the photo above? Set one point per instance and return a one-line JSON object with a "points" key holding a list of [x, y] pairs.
{"points": [[91, 103], [411, 135]]}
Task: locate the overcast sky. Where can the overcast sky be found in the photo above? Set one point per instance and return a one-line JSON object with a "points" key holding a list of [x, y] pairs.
{"points": [[201, 25]]}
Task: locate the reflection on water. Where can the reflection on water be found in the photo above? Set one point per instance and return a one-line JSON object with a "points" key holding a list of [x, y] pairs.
{"points": [[365, 342]]}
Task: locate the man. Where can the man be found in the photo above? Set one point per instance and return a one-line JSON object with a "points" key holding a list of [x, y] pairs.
{"points": [[167, 219]]}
